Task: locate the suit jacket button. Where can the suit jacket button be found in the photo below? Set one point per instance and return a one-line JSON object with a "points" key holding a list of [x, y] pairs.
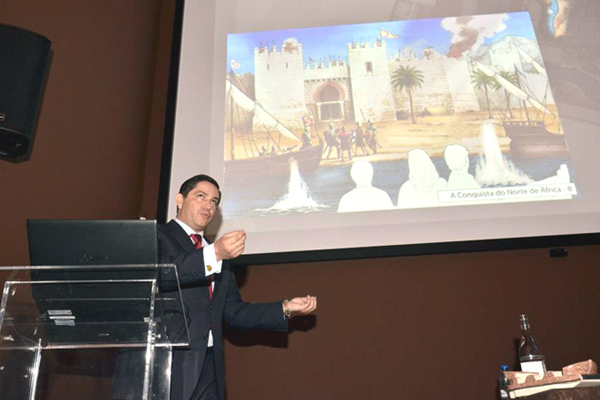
{"points": [[209, 268]]}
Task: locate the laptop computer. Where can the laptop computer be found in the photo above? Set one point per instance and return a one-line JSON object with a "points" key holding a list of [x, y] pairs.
{"points": [[92, 242], [102, 297]]}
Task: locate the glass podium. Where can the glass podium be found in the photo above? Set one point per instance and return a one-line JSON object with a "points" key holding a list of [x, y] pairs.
{"points": [[90, 332]]}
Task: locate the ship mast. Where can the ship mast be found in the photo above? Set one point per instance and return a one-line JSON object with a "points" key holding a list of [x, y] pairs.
{"points": [[231, 135], [520, 87], [267, 119], [251, 149]]}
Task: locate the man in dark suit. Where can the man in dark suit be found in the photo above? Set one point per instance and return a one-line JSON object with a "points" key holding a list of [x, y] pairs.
{"points": [[210, 293]]}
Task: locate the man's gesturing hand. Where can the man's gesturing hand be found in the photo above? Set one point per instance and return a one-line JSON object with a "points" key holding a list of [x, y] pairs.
{"points": [[302, 305], [230, 245]]}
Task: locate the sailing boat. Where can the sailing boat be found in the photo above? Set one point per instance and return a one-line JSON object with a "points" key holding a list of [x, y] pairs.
{"points": [[529, 137], [265, 155]]}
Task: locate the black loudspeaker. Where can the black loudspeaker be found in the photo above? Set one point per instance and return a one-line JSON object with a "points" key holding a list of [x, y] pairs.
{"points": [[24, 59]]}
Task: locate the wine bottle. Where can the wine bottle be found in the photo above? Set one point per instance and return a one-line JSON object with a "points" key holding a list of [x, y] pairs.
{"points": [[531, 357], [503, 382]]}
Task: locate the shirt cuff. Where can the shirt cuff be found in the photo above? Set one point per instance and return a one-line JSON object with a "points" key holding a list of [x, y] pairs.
{"points": [[211, 265]]}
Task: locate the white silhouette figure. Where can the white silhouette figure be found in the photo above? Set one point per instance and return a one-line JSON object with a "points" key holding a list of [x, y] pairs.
{"points": [[457, 159], [364, 197], [424, 182]]}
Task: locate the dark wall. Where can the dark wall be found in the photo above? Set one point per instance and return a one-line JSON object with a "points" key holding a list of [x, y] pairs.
{"points": [[428, 327], [89, 156], [422, 327]]}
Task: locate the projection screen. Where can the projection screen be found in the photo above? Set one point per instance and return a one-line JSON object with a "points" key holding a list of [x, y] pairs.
{"points": [[336, 125]]}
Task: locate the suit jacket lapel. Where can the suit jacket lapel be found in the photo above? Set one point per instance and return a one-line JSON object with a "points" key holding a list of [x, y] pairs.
{"points": [[179, 235], [186, 243]]}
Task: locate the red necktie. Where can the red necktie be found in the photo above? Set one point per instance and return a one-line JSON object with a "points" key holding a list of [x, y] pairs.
{"points": [[197, 239]]}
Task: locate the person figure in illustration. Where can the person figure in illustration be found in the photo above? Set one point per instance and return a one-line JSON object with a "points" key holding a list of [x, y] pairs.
{"points": [[331, 141], [273, 151], [372, 136], [361, 140], [353, 142], [345, 142], [364, 197], [457, 159], [424, 182], [306, 138], [264, 151]]}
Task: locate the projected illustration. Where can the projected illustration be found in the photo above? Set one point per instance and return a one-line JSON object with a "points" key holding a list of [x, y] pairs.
{"points": [[392, 115]]}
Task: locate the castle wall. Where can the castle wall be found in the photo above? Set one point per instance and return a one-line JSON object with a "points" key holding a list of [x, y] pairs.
{"points": [[504, 56], [319, 76], [434, 92], [279, 85], [331, 70], [370, 80], [459, 82]]}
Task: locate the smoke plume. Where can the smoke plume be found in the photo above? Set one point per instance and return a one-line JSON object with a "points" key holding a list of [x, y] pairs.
{"points": [[468, 33]]}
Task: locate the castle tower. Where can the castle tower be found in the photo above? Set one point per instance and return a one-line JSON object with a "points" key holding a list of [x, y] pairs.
{"points": [[370, 80], [279, 84]]}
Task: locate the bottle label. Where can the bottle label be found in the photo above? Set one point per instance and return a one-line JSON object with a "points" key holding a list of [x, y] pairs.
{"points": [[538, 367]]}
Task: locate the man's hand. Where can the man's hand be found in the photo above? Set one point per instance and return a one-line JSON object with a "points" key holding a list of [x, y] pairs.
{"points": [[302, 305], [230, 245]]}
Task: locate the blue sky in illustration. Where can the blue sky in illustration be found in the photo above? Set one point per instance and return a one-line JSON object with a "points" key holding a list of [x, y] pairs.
{"points": [[328, 43]]}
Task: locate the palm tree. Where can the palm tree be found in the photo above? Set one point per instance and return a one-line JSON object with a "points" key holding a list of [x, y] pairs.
{"points": [[482, 80], [512, 78], [408, 78]]}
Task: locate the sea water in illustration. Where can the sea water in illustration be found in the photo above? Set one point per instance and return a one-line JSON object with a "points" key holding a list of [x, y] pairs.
{"points": [[493, 168], [298, 197]]}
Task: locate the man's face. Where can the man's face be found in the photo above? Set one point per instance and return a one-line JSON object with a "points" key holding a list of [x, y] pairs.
{"points": [[198, 208]]}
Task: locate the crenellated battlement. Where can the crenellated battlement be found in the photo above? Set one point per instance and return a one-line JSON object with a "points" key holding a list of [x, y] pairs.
{"points": [[340, 65], [274, 51], [376, 44], [409, 56], [279, 62], [323, 71]]}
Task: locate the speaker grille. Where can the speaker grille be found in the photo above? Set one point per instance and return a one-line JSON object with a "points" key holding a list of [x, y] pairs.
{"points": [[25, 57]]}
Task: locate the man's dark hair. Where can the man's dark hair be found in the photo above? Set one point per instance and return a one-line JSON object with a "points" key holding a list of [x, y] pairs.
{"points": [[191, 183]]}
